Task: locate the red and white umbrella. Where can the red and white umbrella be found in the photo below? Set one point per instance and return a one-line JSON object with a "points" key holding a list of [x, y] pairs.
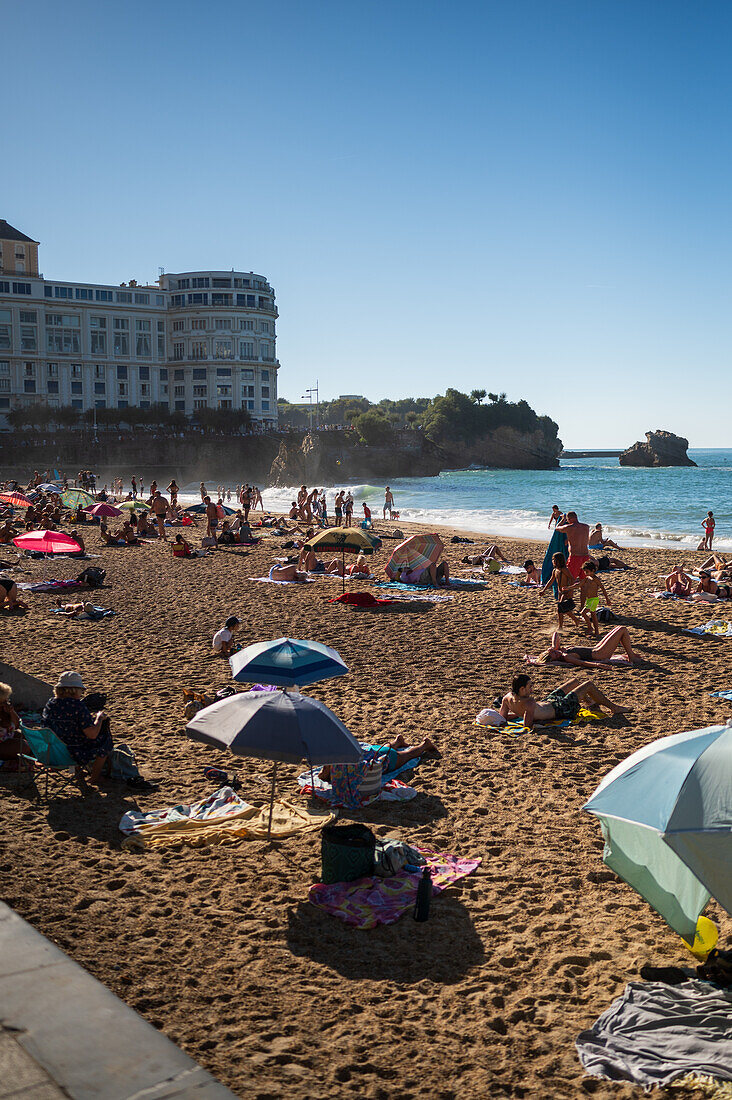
{"points": [[416, 552], [47, 542], [16, 499], [103, 509]]}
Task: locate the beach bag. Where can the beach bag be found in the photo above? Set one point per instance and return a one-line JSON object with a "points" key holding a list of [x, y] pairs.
{"points": [[489, 717], [356, 784], [494, 566], [347, 853], [605, 615], [93, 576], [392, 856], [123, 763]]}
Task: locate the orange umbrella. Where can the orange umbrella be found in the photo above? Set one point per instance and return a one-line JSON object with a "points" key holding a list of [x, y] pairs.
{"points": [[16, 499]]}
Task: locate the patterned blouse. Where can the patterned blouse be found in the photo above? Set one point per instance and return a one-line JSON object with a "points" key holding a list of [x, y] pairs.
{"points": [[68, 718]]}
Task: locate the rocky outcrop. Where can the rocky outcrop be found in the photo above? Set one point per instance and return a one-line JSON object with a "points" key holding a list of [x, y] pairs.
{"points": [[506, 449], [660, 449], [326, 458]]}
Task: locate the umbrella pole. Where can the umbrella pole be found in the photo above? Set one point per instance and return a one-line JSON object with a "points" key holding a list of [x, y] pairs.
{"points": [[343, 575], [271, 802]]}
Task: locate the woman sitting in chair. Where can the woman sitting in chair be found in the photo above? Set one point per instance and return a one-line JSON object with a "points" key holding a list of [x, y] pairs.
{"points": [[11, 739], [87, 738]]}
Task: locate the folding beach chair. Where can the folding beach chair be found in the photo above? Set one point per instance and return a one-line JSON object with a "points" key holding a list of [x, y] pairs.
{"points": [[51, 754]]}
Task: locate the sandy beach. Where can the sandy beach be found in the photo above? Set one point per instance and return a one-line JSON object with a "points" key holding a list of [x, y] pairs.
{"points": [[218, 947]]}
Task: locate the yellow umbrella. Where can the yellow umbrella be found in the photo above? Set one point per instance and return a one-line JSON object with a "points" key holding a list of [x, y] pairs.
{"points": [[351, 539]]}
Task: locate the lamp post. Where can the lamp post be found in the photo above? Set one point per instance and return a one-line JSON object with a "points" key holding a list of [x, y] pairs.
{"points": [[309, 394]]}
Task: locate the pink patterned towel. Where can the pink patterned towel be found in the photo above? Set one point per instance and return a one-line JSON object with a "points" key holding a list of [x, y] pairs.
{"points": [[367, 902]]}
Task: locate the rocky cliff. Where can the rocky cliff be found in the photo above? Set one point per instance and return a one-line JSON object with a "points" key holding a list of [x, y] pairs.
{"points": [[325, 458], [660, 449], [506, 449]]}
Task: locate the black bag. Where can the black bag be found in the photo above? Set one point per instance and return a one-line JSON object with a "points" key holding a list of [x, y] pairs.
{"points": [[605, 615], [347, 852], [96, 700], [93, 576]]}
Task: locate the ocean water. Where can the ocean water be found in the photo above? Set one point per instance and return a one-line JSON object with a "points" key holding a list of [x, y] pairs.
{"points": [[636, 507]]}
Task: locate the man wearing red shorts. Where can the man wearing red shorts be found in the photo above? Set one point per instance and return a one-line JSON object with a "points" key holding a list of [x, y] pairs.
{"points": [[577, 535]]}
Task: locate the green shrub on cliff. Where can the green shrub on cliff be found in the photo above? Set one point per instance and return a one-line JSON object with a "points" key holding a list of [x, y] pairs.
{"points": [[373, 428], [455, 415]]}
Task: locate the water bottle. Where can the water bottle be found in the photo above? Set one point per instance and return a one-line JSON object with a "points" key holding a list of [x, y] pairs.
{"points": [[424, 895]]}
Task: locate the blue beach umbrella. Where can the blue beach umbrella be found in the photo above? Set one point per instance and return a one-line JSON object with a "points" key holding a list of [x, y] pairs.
{"points": [[276, 725], [666, 817], [200, 509], [287, 662]]}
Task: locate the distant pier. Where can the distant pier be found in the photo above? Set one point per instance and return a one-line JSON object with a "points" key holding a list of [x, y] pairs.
{"points": [[590, 454]]}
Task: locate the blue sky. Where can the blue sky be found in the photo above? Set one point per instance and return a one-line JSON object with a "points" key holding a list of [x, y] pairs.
{"points": [[529, 197]]}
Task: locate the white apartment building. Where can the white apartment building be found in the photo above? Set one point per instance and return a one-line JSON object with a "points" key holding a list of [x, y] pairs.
{"points": [[194, 340]]}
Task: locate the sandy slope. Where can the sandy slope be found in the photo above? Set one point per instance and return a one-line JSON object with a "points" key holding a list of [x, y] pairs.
{"points": [[219, 948]]}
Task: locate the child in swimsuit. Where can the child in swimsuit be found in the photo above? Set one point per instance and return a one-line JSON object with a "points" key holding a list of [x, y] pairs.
{"points": [[590, 588], [564, 581]]}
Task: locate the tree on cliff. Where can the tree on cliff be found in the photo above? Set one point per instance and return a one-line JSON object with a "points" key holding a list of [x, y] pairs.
{"points": [[455, 415], [478, 395], [373, 428]]}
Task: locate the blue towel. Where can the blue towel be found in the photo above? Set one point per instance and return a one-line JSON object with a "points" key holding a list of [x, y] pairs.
{"points": [[722, 695], [557, 545]]}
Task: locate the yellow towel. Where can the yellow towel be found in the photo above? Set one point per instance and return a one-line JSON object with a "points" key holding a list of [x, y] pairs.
{"points": [[249, 824]]}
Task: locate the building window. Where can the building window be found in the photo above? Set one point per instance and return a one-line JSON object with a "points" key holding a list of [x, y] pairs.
{"points": [[85, 294], [142, 299], [163, 374], [223, 391], [199, 323], [251, 300], [265, 375], [28, 341], [223, 349], [221, 299], [76, 404], [196, 404], [5, 286], [199, 374], [4, 368], [124, 296], [250, 405], [247, 373], [47, 290], [223, 372], [184, 284], [180, 406], [161, 346], [179, 326], [198, 391], [121, 336], [159, 299], [179, 375], [99, 371], [29, 385], [28, 317], [6, 331], [121, 372], [247, 326], [145, 389], [178, 300], [122, 404], [52, 386], [144, 374], [29, 370], [223, 323], [246, 349], [264, 350], [52, 370], [179, 391], [75, 370], [142, 340], [199, 349], [5, 385], [144, 404], [104, 295], [77, 387], [265, 391], [265, 406], [100, 387], [201, 282], [98, 326], [179, 351], [221, 282], [21, 288], [247, 391], [198, 299], [100, 404], [122, 389], [4, 402], [63, 292], [62, 334], [264, 326]]}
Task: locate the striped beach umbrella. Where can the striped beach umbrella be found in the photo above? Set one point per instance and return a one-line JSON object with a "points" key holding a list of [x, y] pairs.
{"points": [[416, 552], [47, 542], [16, 499], [287, 662], [133, 506]]}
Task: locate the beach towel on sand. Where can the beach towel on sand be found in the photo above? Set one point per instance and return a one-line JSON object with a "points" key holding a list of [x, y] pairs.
{"points": [[655, 1032], [349, 796], [367, 902], [49, 586], [722, 695], [721, 628], [222, 818]]}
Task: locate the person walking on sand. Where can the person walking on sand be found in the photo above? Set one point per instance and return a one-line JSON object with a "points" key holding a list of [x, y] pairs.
{"points": [[202, 490], [708, 523], [564, 581], [388, 502], [590, 589], [159, 505], [577, 536], [562, 703], [212, 517], [134, 488]]}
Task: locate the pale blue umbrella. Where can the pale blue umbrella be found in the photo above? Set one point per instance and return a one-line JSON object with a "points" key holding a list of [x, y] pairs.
{"points": [[287, 662], [276, 725], [666, 816]]}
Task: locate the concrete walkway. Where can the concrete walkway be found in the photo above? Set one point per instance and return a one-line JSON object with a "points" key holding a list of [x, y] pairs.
{"points": [[64, 1034]]}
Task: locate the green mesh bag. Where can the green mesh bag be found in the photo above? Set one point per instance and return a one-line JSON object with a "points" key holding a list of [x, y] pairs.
{"points": [[347, 853]]}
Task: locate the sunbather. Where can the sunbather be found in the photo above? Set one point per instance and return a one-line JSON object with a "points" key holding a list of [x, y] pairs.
{"points": [[491, 553], [395, 754], [678, 583], [562, 703], [287, 573], [599, 655], [707, 589], [9, 594], [429, 577], [74, 610]]}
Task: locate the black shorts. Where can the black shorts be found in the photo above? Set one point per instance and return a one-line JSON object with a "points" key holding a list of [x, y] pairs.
{"points": [[565, 605]]}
